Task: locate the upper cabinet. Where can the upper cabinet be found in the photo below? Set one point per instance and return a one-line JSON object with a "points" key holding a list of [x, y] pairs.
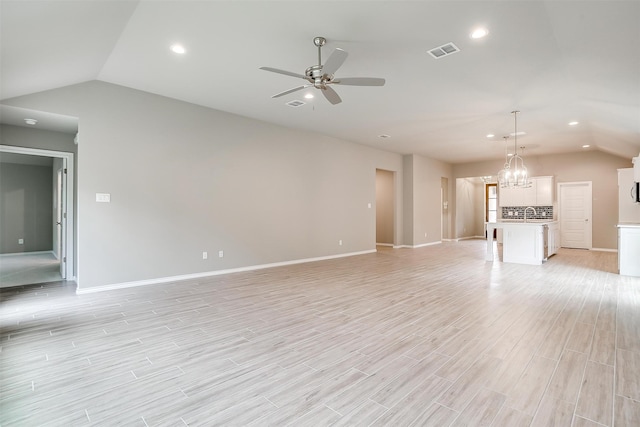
{"points": [[539, 194], [544, 191]]}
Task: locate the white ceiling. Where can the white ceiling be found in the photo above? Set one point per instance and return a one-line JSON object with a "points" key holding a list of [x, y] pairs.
{"points": [[555, 61]]}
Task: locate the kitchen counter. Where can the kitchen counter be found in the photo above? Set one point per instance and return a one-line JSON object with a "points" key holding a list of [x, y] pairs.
{"points": [[523, 242]]}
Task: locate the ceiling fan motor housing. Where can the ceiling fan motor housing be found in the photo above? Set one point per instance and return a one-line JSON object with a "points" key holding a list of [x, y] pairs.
{"points": [[314, 75]]}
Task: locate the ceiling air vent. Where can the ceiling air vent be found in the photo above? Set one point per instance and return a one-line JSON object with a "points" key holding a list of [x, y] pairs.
{"points": [[444, 50], [295, 103]]}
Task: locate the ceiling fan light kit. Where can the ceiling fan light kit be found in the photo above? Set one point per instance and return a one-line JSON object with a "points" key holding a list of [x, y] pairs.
{"points": [[322, 76]]}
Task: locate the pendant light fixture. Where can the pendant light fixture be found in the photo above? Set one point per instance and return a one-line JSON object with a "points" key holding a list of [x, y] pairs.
{"points": [[514, 173]]}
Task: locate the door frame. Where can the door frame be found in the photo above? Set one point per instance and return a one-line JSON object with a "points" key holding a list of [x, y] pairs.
{"points": [[589, 185], [68, 246]]}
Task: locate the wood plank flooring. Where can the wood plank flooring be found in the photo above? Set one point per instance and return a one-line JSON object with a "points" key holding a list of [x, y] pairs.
{"points": [[433, 336]]}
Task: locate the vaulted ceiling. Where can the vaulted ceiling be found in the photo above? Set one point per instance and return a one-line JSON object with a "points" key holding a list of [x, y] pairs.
{"points": [[555, 61]]}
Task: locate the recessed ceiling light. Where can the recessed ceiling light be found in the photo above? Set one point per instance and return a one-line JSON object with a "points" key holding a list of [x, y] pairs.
{"points": [[518, 133], [490, 135], [586, 146], [479, 33], [574, 123], [31, 122], [178, 48], [383, 136], [309, 96]]}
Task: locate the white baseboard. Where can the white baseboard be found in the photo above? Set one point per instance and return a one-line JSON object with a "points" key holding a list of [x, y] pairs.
{"points": [[421, 245], [210, 273], [604, 250], [385, 244], [28, 253]]}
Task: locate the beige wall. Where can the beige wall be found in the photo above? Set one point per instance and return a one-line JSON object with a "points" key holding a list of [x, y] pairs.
{"points": [[185, 179], [598, 167], [423, 213]]}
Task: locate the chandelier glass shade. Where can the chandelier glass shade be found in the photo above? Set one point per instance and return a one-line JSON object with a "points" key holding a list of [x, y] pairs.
{"points": [[514, 173]]}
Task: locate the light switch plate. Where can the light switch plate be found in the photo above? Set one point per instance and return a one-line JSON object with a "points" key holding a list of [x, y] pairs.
{"points": [[103, 197]]}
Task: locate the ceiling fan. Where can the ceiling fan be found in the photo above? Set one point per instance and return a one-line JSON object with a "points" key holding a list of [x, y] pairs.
{"points": [[321, 76]]}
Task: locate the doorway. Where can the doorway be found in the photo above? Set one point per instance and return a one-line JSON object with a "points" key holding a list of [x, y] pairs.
{"points": [[62, 252], [385, 207], [575, 210]]}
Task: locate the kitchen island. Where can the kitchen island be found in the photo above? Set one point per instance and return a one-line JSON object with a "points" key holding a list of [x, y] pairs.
{"points": [[529, 242]]}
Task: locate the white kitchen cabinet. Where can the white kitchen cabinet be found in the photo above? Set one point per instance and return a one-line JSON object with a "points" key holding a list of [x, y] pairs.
{"points": [[544, 191], [523, 243], [539, 194], [509, 197], [529, 194], [553, 239], [629, 249], [628, 209]]}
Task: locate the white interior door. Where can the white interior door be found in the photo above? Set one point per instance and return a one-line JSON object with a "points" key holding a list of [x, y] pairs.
{"points": [[575, 202]]}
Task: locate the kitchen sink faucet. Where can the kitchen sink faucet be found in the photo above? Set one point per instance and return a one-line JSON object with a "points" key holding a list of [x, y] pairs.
{"points": [[525, 212]]}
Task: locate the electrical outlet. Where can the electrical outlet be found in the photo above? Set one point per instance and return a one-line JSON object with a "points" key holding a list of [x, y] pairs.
{"points": [[369, 205], [21, 241], [205, 255], [220, 254], [425, 234], [340, 242]]}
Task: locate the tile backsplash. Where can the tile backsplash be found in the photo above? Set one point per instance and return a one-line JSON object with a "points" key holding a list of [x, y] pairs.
{"points": [[517, 212]]}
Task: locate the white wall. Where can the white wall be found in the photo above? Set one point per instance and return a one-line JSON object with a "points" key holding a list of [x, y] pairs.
{"points": [[185, 179]]}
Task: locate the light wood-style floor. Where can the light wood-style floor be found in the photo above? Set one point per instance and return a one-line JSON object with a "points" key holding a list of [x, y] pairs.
{"points": [[27, 268], [433, 336]]}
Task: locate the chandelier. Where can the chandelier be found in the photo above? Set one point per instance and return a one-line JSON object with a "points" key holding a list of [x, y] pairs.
{"points": [[514, 172]]}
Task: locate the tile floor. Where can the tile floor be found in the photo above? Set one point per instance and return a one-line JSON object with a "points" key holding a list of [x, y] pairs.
{"points": [[433, 336], [28, 268]]}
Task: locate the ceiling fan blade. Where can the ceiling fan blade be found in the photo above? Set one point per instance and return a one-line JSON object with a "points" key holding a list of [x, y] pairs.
{"points": [[286, 73], [360, 81], [286, 92], [334, 61], [331, 95]]}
